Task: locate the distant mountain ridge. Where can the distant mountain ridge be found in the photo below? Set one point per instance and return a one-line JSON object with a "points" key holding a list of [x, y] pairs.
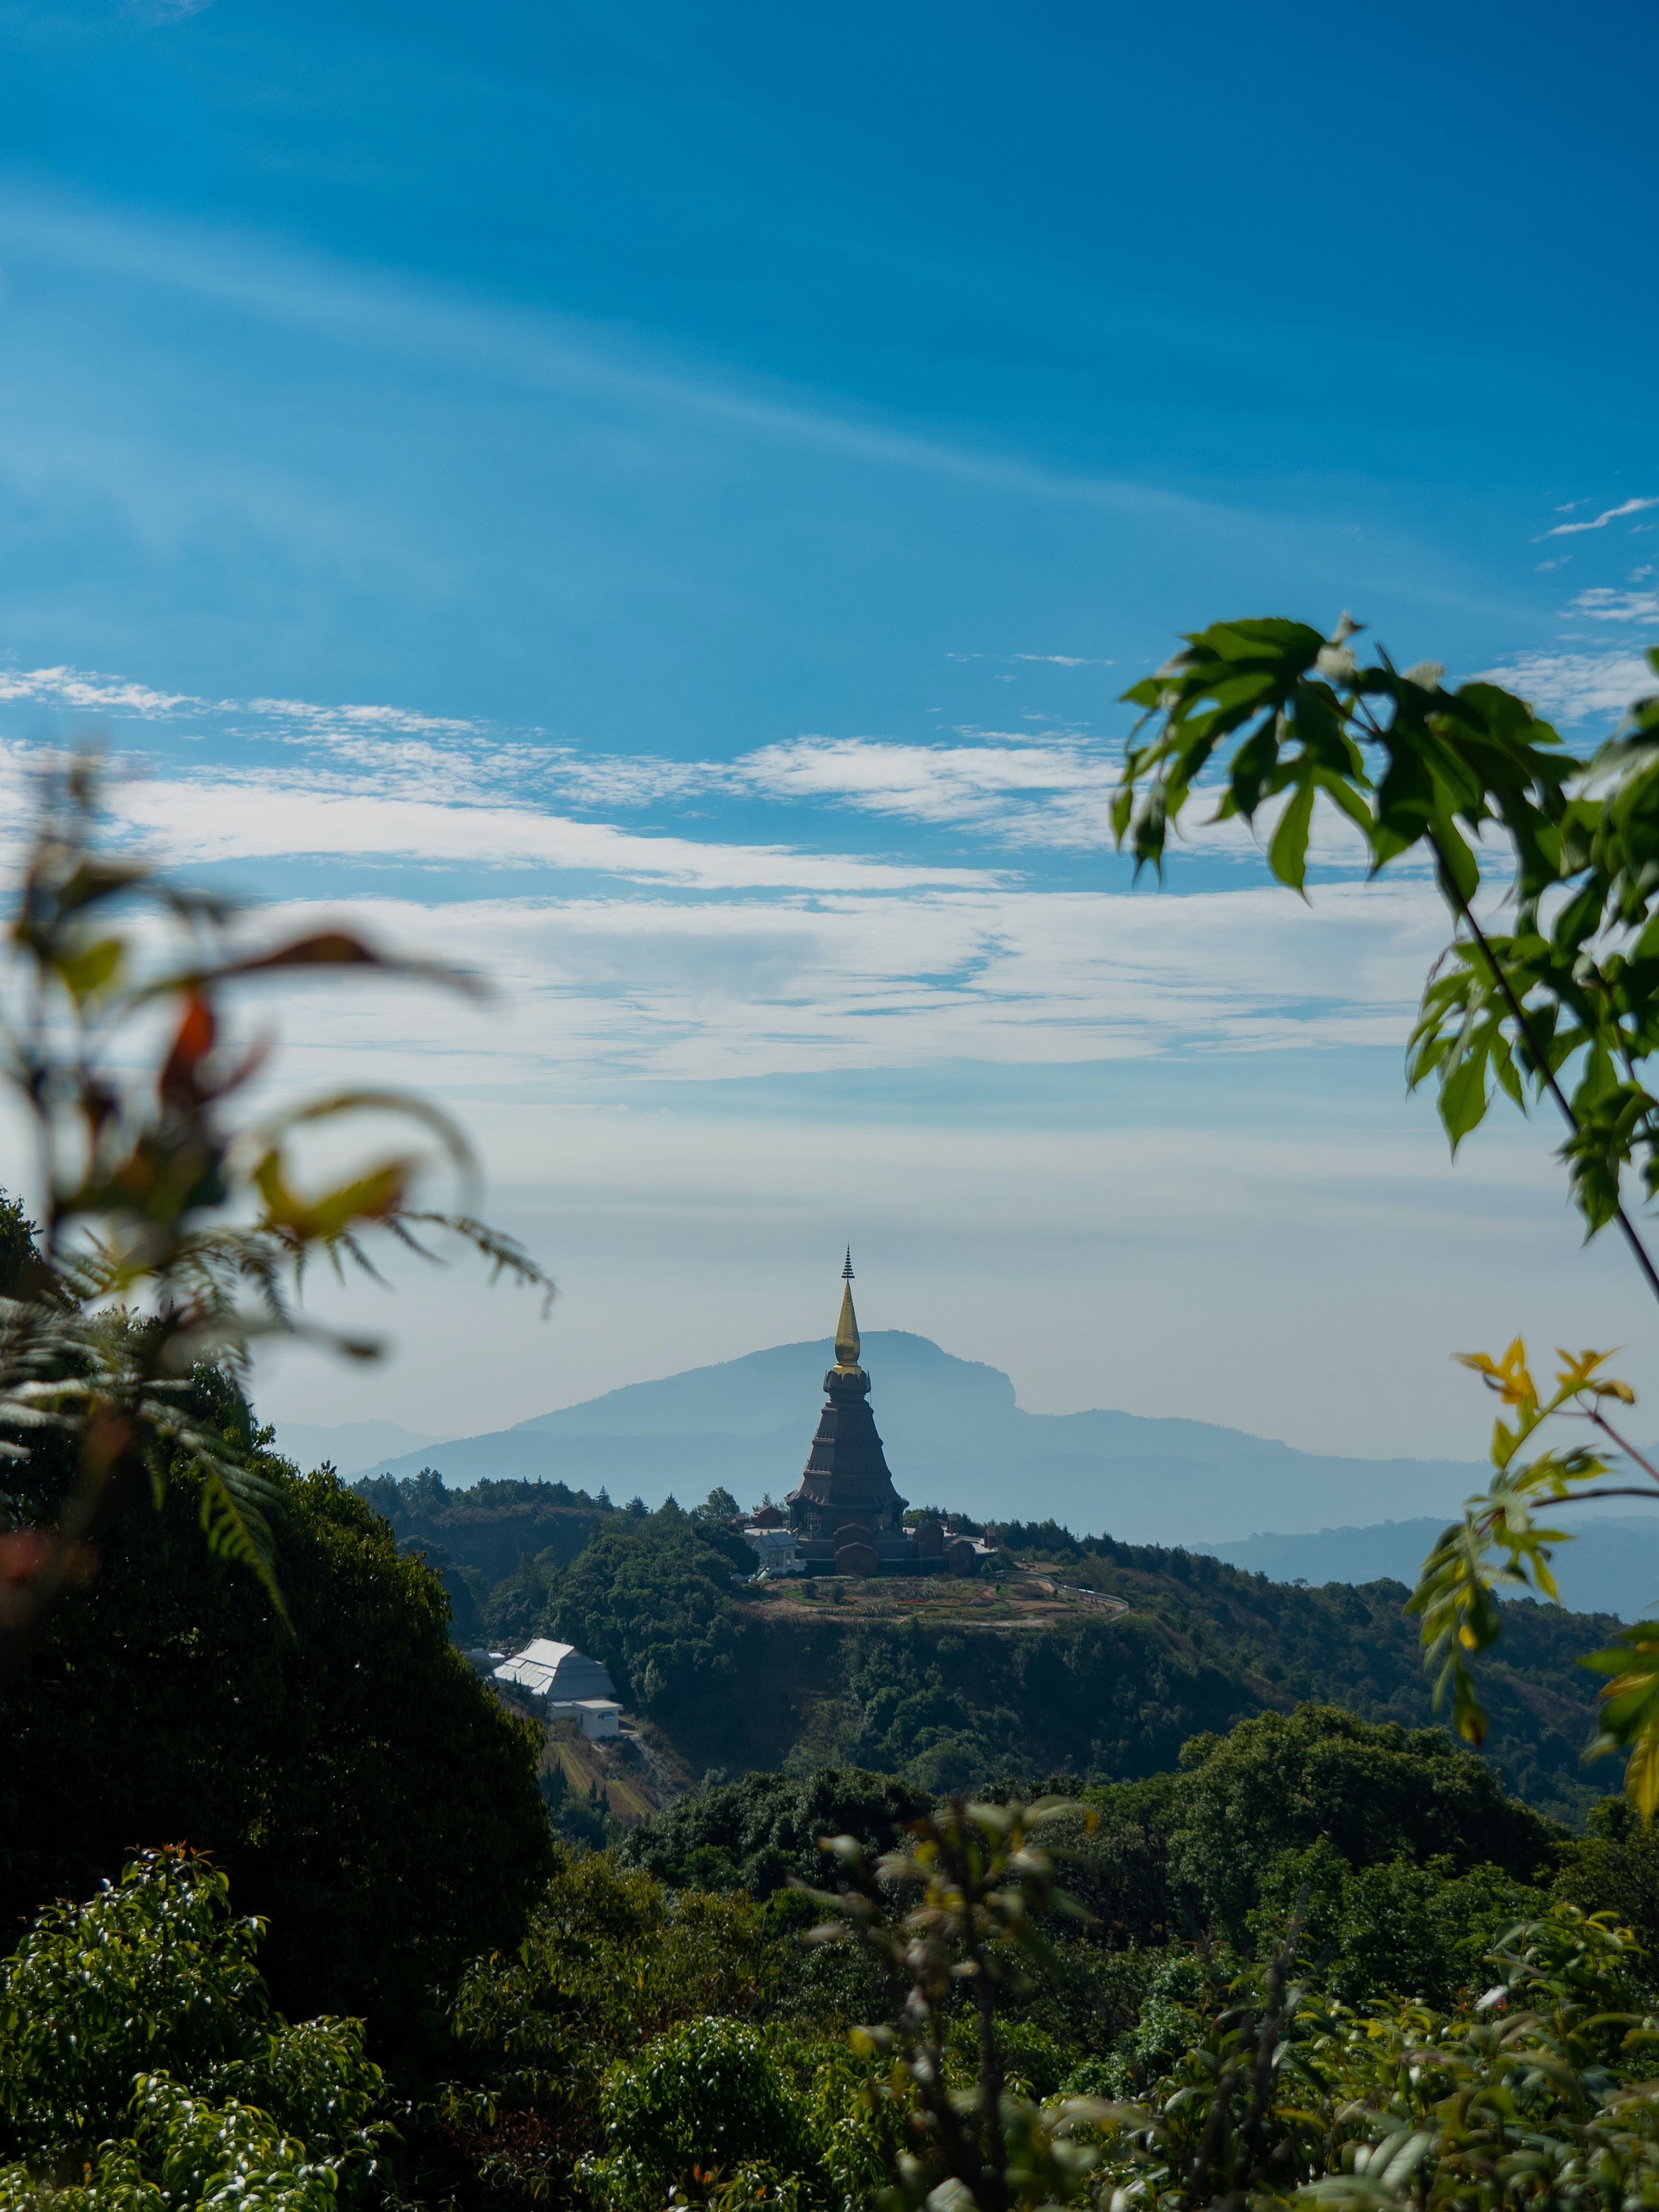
{"points": [[955, 1436], [1610, 1566]]}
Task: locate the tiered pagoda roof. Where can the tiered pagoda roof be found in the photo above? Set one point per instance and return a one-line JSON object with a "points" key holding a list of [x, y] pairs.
{"points": [[847, 1483]]}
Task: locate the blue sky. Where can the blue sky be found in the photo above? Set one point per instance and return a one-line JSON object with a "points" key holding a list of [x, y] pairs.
{"points": [[663, 502]]}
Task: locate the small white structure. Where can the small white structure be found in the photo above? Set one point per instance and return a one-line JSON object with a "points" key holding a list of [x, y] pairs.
{"points": [[599, 1716], [568, 1681], [775, 1550]]}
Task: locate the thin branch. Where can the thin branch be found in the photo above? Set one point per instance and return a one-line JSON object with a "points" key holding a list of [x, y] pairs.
{"points": [[1204, 2157], [1629, 1450], [1540, 1059], [1578, 1497], [1267, 2042]]}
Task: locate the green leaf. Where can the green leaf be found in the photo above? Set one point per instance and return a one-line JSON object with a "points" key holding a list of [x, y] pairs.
{"points": [[1458, 863], [1463, 1095], [92, 969], [1629, 1710], [1287, 855]]}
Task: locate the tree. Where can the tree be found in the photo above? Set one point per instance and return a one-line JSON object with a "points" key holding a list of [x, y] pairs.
{"points": [[768, 1827], [651, 1599], [1279, 1781], [141, 2016], [609, 1960], [709, 2100], [719, 1510], [362, 1788]]}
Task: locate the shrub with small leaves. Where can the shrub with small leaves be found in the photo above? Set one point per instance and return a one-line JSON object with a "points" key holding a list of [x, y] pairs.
{"points": [[706, 2104], [154, 1970], [185, 2151], [138, 2042]]}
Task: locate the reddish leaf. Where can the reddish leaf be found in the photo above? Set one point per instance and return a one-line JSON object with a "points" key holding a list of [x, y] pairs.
{"points": [[178, 1085], [329, 948]]}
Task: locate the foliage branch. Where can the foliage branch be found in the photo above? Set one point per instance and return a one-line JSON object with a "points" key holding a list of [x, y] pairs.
{"points": [[139, 2049], [1269, 714], [1498, 1543], [1564, 1003], [1534, 2094], [175, 1231], [955, 1918]]}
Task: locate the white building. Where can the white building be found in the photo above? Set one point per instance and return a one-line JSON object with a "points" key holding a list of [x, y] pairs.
{"points": [[775, 1550], [569, 1683]]}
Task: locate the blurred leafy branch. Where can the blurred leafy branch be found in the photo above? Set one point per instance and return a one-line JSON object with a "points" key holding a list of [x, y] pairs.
{"points": [[174, 1230], [1261, 712], [958, 1916], [1498, 1543], [1564, 1002]]}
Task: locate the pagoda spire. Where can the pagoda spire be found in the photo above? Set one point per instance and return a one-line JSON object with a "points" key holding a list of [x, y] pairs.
{"points": [[845, 1508], [847, 1328]]}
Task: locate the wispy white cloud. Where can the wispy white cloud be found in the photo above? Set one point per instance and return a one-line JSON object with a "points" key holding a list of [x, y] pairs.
{"points": [[89, 692], [1055, 793], [227, 817], [1575, 687], [1063, 659], [597, 987], [306, 716], [607, 780], [1605, 605], [1600, 521], [388, 783]]}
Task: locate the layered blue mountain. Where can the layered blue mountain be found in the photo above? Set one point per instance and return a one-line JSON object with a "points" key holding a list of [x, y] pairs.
{"points": [[957, 1437], [1612, 1566]]}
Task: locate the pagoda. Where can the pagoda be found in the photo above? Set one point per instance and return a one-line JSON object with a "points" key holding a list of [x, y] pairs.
{"points": [[846, 1514]]}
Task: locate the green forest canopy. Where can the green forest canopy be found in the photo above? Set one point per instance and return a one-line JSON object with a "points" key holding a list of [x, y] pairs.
{"points": [[651, 1595]]}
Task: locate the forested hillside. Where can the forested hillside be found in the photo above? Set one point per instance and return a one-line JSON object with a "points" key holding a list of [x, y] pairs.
{"points": [[943, 1691], [568, 2025], [170, 1698]]}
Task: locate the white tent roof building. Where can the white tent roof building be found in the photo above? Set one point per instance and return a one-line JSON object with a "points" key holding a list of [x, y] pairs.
{"points": [[557, 1672]]}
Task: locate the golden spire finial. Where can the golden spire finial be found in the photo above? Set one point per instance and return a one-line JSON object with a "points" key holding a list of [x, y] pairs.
{"points": [[847, 1328]]}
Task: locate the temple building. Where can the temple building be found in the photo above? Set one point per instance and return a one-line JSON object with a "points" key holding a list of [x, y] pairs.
{"points": [[845, 1515]]}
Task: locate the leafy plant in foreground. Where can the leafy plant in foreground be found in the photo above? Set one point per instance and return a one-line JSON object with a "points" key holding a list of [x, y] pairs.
{"points": [[981, 1885], [1268, 713], [1499, 1542], [1538, 2093], [157, 1202], [138, 2045]]}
